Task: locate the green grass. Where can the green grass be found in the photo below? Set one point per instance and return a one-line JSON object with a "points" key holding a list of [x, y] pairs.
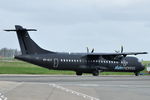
{"points": [[19, 67], [11, 66]]}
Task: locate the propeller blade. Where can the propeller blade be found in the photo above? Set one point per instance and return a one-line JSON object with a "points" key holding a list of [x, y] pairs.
{"points": [[117, 51], [87, 49], [92, 50], [121, 49]]}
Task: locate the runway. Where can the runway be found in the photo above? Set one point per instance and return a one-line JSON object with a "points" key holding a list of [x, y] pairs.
{"points": [[59, 87]]}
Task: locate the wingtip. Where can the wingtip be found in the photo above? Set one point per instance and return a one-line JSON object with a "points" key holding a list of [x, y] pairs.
{"points": [[145, 52]]}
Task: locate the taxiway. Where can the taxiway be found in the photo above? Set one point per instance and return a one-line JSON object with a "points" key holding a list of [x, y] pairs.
{"points": [[62, 87]]}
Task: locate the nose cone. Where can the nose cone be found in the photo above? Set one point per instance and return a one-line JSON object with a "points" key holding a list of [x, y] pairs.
{"points": [[142, 67]]}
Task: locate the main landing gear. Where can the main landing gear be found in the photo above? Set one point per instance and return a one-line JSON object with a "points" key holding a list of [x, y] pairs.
{"points": [[78, 73], [95, 73]]}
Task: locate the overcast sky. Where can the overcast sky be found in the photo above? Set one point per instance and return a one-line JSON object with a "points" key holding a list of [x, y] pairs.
{"points": [[72, 25]]}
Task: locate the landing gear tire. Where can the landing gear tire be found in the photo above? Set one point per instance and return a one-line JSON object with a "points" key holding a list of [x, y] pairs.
{"points": [[95, 73], [136, 73], [78, 73]]}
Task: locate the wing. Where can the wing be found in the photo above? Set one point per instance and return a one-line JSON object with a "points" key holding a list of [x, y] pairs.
{"points": [[110, 56]]}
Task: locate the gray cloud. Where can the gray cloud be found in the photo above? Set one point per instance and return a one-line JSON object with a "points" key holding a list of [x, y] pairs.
{"points": [[71, 25]]}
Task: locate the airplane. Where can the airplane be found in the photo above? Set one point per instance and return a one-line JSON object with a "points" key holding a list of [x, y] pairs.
{"points": [[89, 62]]}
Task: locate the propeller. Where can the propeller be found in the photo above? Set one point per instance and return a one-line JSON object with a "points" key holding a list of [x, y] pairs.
{"points": [[121, 51], [92, 50], [121, 56], [89, 50]]}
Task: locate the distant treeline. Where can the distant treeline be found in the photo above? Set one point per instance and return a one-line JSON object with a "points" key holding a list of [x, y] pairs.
{"points": [[5, 52]]}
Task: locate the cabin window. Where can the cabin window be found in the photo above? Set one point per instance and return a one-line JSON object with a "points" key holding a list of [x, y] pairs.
{"points": [[44, 59]]}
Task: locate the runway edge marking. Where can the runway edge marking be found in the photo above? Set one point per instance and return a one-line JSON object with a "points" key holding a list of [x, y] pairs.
{"points": [[85, 96], [2, 97]]}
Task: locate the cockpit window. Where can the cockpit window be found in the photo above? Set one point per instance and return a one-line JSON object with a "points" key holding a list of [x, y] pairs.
{"points": [[139, 60]]}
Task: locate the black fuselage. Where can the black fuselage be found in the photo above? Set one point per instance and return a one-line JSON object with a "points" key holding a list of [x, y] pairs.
{"points": [[75, 62]]}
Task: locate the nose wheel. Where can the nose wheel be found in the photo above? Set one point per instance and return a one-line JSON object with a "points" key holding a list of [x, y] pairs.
{"points": [[136, 73]]}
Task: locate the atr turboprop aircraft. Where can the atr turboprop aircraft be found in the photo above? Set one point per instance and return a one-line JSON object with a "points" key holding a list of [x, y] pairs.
{"points": [[89, 62]]}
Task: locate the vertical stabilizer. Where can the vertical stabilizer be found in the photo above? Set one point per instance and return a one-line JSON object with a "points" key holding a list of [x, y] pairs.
{"points": [[27, 45]]}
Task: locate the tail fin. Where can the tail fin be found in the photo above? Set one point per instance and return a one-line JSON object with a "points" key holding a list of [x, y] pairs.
{"points": [[27, 45]]}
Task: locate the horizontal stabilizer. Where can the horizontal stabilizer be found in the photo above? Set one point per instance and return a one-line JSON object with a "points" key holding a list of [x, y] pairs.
{"points": [[8, 30]]}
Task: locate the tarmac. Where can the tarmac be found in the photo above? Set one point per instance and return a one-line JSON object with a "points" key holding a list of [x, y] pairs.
{"points": [[64, 87]]}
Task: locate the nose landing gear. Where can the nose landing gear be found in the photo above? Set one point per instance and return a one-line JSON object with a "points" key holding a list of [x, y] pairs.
{"points": [[136, 73]]}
